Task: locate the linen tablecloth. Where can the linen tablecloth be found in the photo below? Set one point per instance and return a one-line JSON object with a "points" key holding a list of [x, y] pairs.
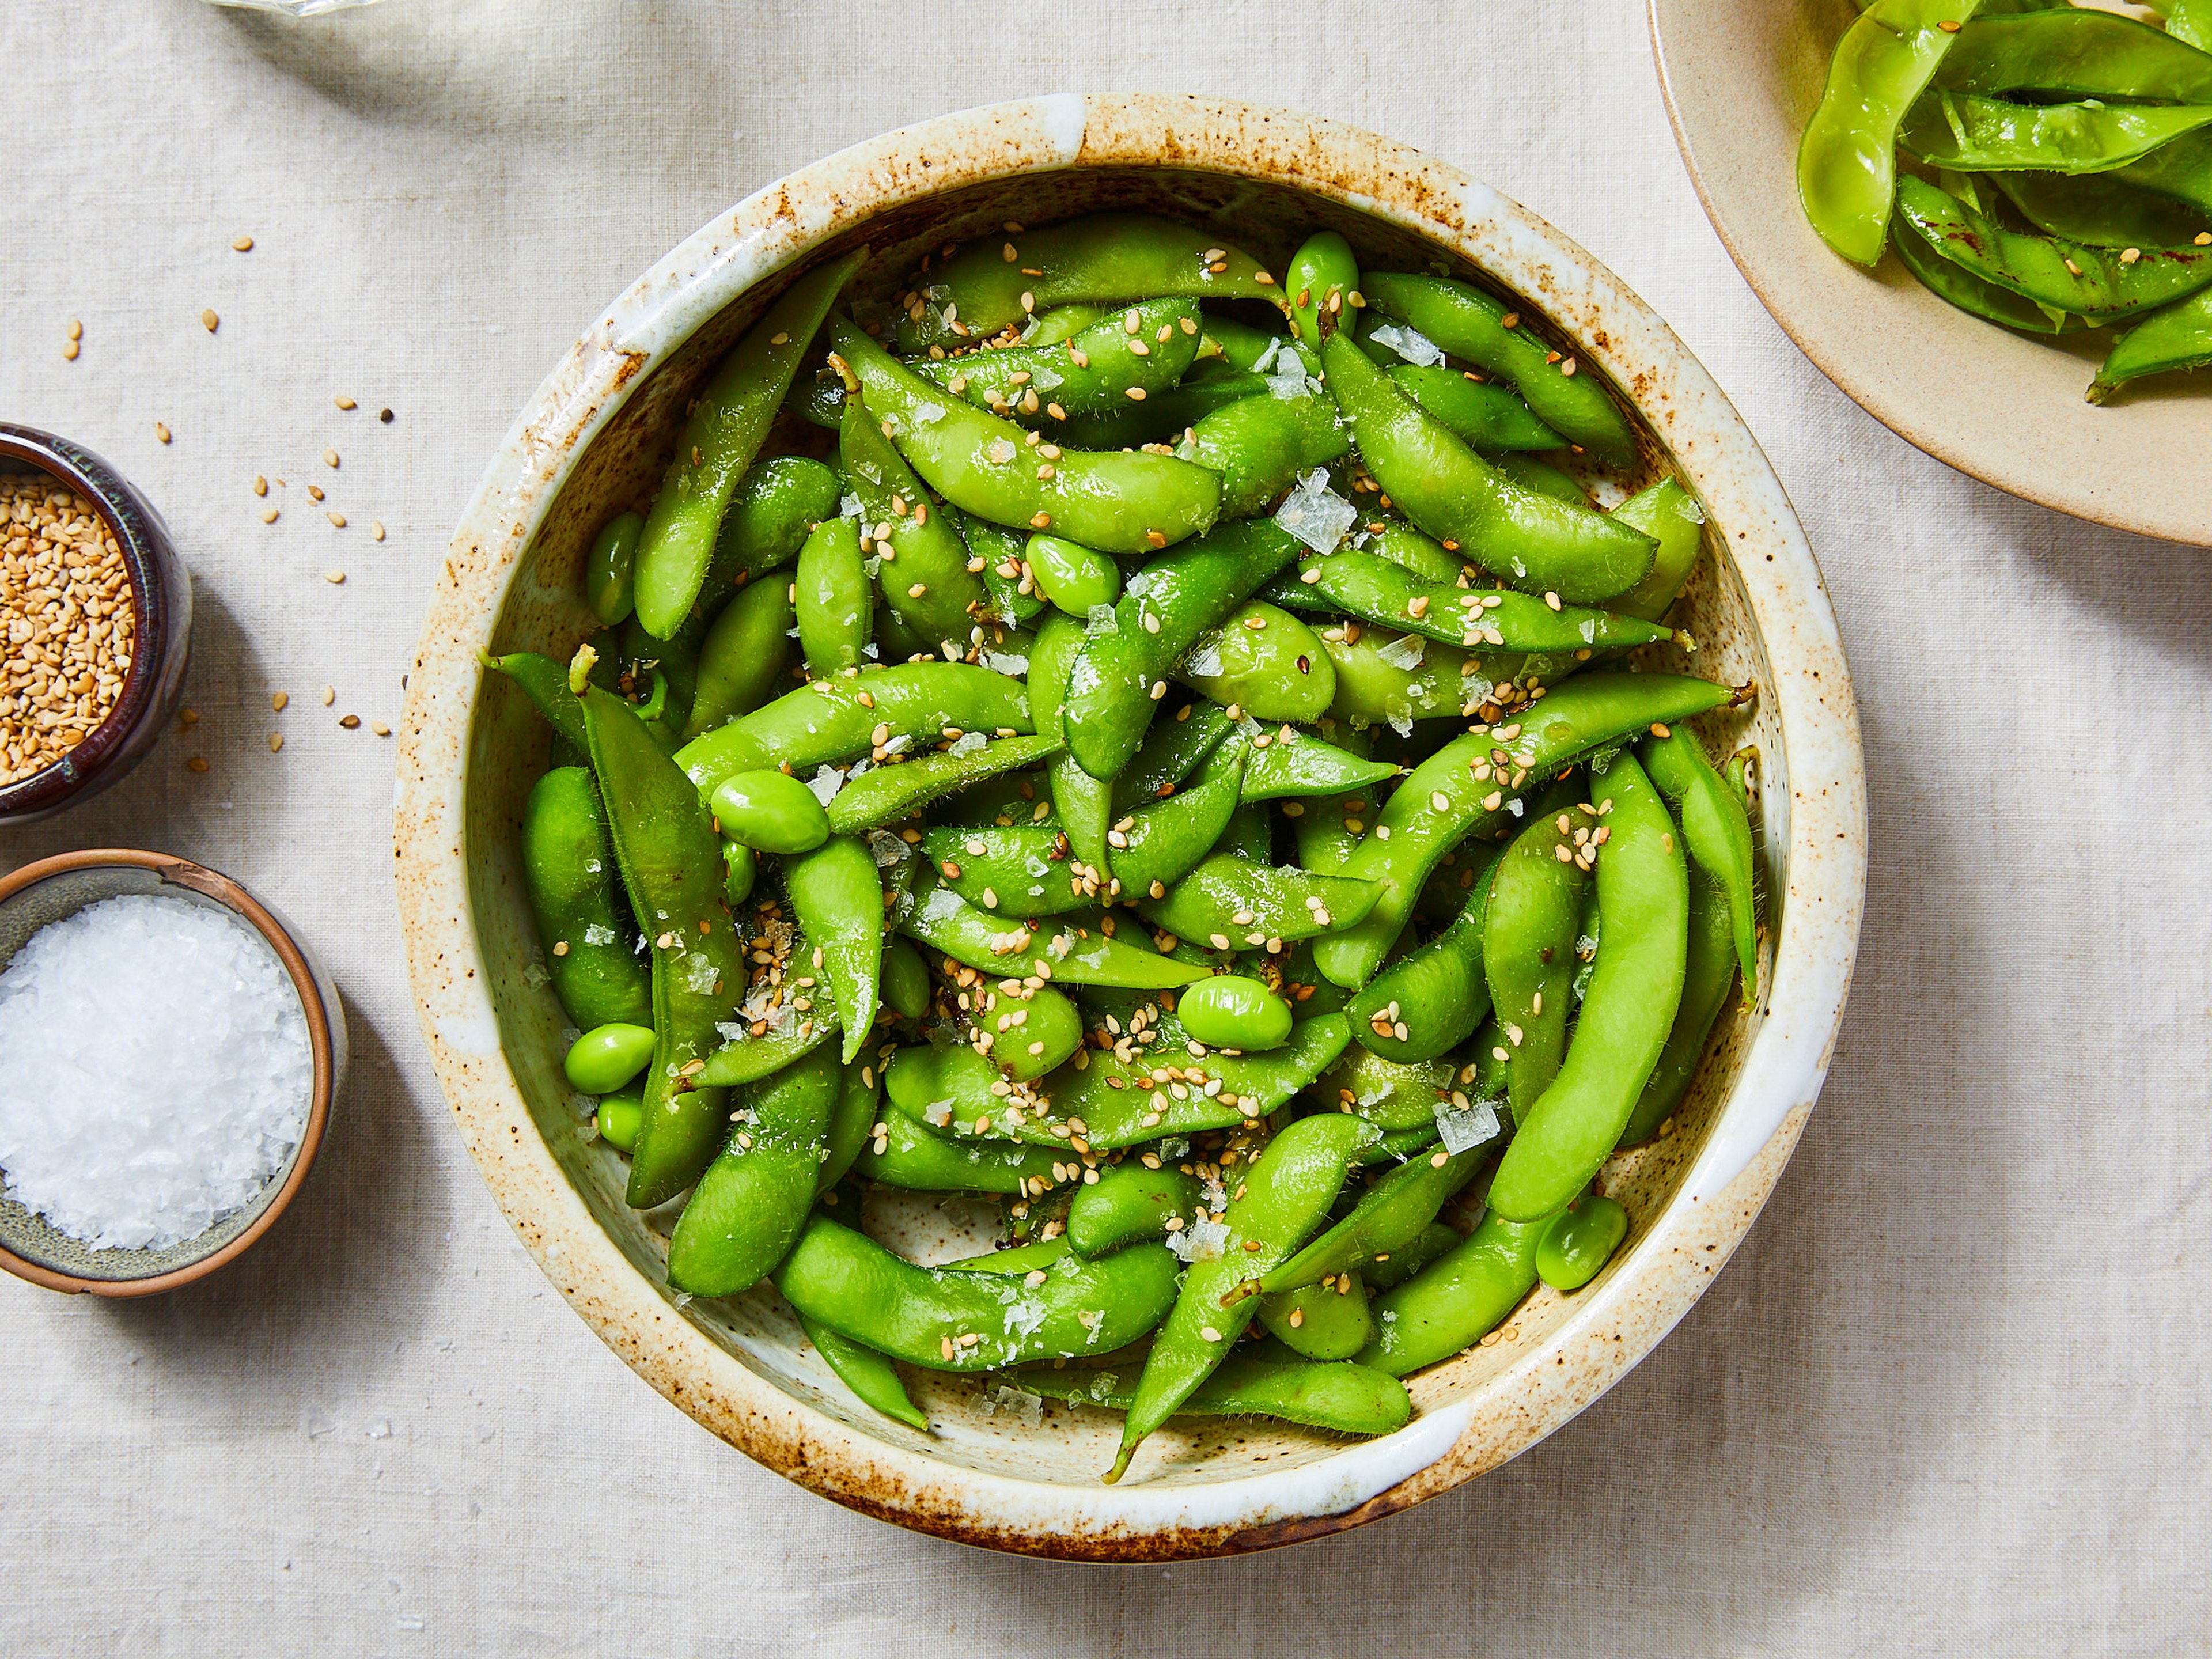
{"points": [[1950, 1396]]}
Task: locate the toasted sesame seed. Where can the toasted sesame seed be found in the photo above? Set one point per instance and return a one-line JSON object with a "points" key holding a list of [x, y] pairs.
{"points": [[260, 485], [197, 763], [275, 741], [210, 321], [334, 577], [70, 348], [384, 730], [349, 721], [76, 329], [160, 432], [241, 243], [375, 530], [330, 458]]}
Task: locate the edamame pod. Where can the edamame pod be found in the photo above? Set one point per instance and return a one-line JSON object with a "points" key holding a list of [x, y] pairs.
{"points": [[1287, 763], [1462, 790], [1284, 1194], [670, 864], [1322, 1321], [1481, 330], [2180, 337], [1083, 801], [1708, 970], [1530, 541], [1118, 501], [576, 897], [1635, 989], [607, 570], [1716, 830], [922, 562], [1670, 515], [1145, 347], [744, 658], [1099, 259], [1264, 1379], [1129, 1203], [1972, 134], [869, 1375], [752, 1201], [1483, 416], [1233, 903], [835, 612], [1456, 1300], [852, 1122], [1379, 591], [1266, 662], [720, 439], [2070, 277], [1318, 283], [890, 793], [1435, 994], [1535, 914], [1166, 606], [1260, 445], [906, 980], [951, 1320], [907, 1155], [839, 901], [776, 506], [832, 721], [1078, 951]]}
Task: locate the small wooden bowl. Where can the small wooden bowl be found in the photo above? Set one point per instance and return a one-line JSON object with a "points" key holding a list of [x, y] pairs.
{"points": [[161, 606], [57, 887]]}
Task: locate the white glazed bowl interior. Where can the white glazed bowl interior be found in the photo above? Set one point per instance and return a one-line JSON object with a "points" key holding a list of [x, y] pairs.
{"points": [[595, 440]]}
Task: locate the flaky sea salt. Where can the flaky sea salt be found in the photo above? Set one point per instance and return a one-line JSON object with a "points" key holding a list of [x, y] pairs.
{"points": [[155, 1071]]}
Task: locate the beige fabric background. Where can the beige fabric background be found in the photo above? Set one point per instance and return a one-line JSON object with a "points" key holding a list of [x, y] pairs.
{"points": [[1951, 1397]]}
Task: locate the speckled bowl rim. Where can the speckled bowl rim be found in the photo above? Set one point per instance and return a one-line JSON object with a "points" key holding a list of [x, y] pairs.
{"points": [[1753, 1131], [325, 1043]]}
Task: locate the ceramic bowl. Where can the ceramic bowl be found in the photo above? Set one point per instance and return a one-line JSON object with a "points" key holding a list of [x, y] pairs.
{"points": [[161, 603], [594, 440], [53, 888], [1741, 77]]}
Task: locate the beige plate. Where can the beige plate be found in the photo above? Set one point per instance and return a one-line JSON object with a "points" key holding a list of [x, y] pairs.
{"points": [[1741, 78], [594, 440]]}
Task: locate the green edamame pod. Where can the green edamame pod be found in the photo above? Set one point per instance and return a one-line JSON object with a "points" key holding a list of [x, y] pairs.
{"points": [[1971, 134], [840, 902], [1073, 578], [1716, 830], [1013, 596], [1635, 989], [1232, 1012], [1472, 325], [1579, 1241], [606, 1057], [1322, 1321], [1118, 501], [1708, 970], [770, 811], [754, 1197], [545, 683], [1262, 1380], [1540, 477], [869, 1375], [1528, 540], [1395, 1212], [1535, 915], [907, 1155], [1383, 677], [1144, 347], [1060, 322], [835, 611], [890, 793], [619, 1117], [724, 431], [2177, 338], [749, 1058], [1231, 902], [2097, 209], [1284, 1194], [852, 1121], [1392, 1096], [575, 895], [1260, 445], [607, 570], [1318, 283], [1586, 712], [744, 658], [1099, 259], [2074, 53], [1377, 590], [1456, 1300], [832, 721], [1288, 763], [777, 504], [670, 861], [1171, 752], [922, 562], [1266, 662], [906, 980], [1129, 1203], [1436, 994], [946, 1320], [1670, 515], [1084, 802], [1485, 416], [1077, 951], [1166, 606], [1026, 1032]]}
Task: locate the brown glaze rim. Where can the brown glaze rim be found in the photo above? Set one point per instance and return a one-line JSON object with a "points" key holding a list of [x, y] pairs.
{"points": [[221, 888], [162, 614]]}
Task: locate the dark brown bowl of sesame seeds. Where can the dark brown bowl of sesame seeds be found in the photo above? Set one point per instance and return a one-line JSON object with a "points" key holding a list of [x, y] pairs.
{"points": [[97, 614]]}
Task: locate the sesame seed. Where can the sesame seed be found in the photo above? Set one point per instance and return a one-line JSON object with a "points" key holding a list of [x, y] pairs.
{"points": [[349, 721], [278, 701], [329, 696], [197, 763], [241, 243], [345, 403], [338, 520], [334, 577], [275, 741], [70, 348], [160, 432], [330, 458], [210, 321], [375, 530]]}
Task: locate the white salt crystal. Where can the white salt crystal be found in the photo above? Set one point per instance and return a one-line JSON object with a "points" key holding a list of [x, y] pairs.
{"points": [[850, 507], [929, 413], [825, 783], [1463, 1127], [1203, 1240], [597, 932], [1011, 663], [1317, 514], [1404, 652], [967, 744], [1044, 380], [1204, 659], [155, 1071], [1410, 344]]}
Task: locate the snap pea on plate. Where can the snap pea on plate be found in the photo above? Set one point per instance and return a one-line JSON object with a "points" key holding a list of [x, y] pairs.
{"points": [[1195, 679]]}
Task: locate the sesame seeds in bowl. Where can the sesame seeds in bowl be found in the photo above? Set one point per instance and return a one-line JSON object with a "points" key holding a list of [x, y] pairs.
{"points": [[97, 610]]}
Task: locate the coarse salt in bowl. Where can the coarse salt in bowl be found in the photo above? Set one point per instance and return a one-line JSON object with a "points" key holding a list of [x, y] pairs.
{"points": [[167, 1061]]}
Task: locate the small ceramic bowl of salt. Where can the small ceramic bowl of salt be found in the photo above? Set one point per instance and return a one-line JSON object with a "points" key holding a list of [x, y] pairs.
{"points": [[168, 1059]]}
